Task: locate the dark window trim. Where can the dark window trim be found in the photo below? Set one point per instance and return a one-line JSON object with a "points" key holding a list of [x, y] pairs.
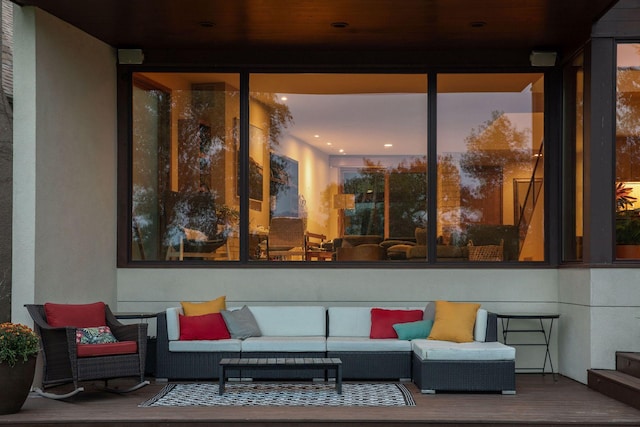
{"points": [[124, 167]]}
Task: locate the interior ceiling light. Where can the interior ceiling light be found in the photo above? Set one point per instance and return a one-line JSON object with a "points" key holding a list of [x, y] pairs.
{"points": [[478, 24], [339, 24], [341, 150], [207, 24], [388, 145], [283, 98], [328, 143], [316, 136]]}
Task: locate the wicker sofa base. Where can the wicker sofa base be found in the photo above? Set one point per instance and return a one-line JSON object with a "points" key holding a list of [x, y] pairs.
{"points": [[374, 365], [191, 365], [431, 376]]}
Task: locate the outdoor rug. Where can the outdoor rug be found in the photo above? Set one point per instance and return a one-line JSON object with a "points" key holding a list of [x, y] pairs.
{"points": [[282, 394]]}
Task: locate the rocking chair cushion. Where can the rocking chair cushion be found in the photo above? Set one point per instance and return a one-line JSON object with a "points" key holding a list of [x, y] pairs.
{"points": [[108, 349], [77, 315]]}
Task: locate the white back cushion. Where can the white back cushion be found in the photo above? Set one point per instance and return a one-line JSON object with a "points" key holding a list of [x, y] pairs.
{"points": [[290, 321], [354, 321], [173, 323], [480, 328], [349, 321]]}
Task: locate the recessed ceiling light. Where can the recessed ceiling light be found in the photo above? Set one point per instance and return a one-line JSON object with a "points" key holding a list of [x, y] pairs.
{"points": [[478, 24], [328, 143], [283, 98], [341, 150], [316, 136], [388, 145], [340, 24]]}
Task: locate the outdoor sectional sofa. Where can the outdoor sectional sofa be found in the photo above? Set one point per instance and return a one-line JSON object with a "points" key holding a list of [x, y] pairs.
{"points": [[344, 332]]}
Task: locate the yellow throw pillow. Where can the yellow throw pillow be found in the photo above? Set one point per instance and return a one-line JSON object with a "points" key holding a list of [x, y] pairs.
{"points": [[200, 308], [454, 321]]}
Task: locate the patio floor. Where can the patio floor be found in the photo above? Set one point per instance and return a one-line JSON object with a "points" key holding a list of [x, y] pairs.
{"points": [[539, 402]]}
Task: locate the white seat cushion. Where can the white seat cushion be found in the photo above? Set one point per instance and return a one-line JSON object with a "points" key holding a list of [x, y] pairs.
{"points": [[231, 345], [446, 350], [284, 344], [366, 344]]}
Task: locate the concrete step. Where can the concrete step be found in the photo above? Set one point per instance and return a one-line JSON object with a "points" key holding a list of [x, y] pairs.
{"points": [[615, 384], [628, 363]]}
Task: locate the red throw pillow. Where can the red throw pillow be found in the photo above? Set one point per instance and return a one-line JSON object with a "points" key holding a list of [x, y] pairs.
{"points": [[205, 327], [382, 321], [76, 315]]}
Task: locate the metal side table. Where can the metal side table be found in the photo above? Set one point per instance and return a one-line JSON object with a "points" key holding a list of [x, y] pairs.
{"points": [[540, 317]]}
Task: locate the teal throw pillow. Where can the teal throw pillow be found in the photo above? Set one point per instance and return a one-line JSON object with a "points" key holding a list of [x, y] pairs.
{"points": [[413, 330]]}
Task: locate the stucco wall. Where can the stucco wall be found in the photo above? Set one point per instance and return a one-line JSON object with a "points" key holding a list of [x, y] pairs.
{"points": [[600, 314], [64, 214]]}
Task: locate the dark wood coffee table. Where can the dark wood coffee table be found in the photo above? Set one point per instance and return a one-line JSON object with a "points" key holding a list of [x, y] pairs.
{"points": [[281, 363]]}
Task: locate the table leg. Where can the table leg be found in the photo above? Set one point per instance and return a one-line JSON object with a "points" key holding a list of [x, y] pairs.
{"points": [[339, 379], [221, 380], [547, 355]]}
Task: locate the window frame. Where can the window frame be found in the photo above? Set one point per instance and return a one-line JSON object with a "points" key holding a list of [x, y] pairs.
{"points": [[124, 166]]}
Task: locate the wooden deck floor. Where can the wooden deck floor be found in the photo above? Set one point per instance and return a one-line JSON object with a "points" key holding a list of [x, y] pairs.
{"points": [[539, 402]]}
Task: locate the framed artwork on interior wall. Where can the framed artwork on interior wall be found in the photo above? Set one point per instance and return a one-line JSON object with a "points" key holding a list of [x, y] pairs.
{"points": [[255, 180], [283, 187], [256, 168]]}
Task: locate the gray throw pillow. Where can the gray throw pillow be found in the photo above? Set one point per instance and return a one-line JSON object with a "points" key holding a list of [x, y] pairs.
{"points": [[430, 311], [241, 323]]}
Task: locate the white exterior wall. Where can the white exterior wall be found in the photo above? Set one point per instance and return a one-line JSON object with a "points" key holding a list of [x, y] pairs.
{"points": [[64, 218], [600, 314], [65, 227]]}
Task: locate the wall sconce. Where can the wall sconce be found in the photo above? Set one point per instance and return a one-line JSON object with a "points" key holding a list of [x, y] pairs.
{"points": [[130, 56], [344, 201], [542, 58]]}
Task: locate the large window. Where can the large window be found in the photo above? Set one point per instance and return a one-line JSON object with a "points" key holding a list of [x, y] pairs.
{"points": [[184, 188], [490, 167], [320, 168], [628, 152], [342, 160]]}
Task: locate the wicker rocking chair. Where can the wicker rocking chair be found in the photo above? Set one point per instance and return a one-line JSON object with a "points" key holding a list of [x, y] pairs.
{"points": [[66, 362]]}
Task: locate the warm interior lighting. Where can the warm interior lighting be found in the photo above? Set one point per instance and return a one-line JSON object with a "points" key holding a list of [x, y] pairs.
{"points": [[388, 145], [477, 24], [340, 24], [344, 201], [635, 191]]}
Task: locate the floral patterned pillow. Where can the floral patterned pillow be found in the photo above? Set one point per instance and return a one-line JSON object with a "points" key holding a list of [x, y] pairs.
{"points": [[97, 335]]}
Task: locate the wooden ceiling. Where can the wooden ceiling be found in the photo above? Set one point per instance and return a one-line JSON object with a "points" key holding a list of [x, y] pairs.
{"points": [[321, 25]]}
